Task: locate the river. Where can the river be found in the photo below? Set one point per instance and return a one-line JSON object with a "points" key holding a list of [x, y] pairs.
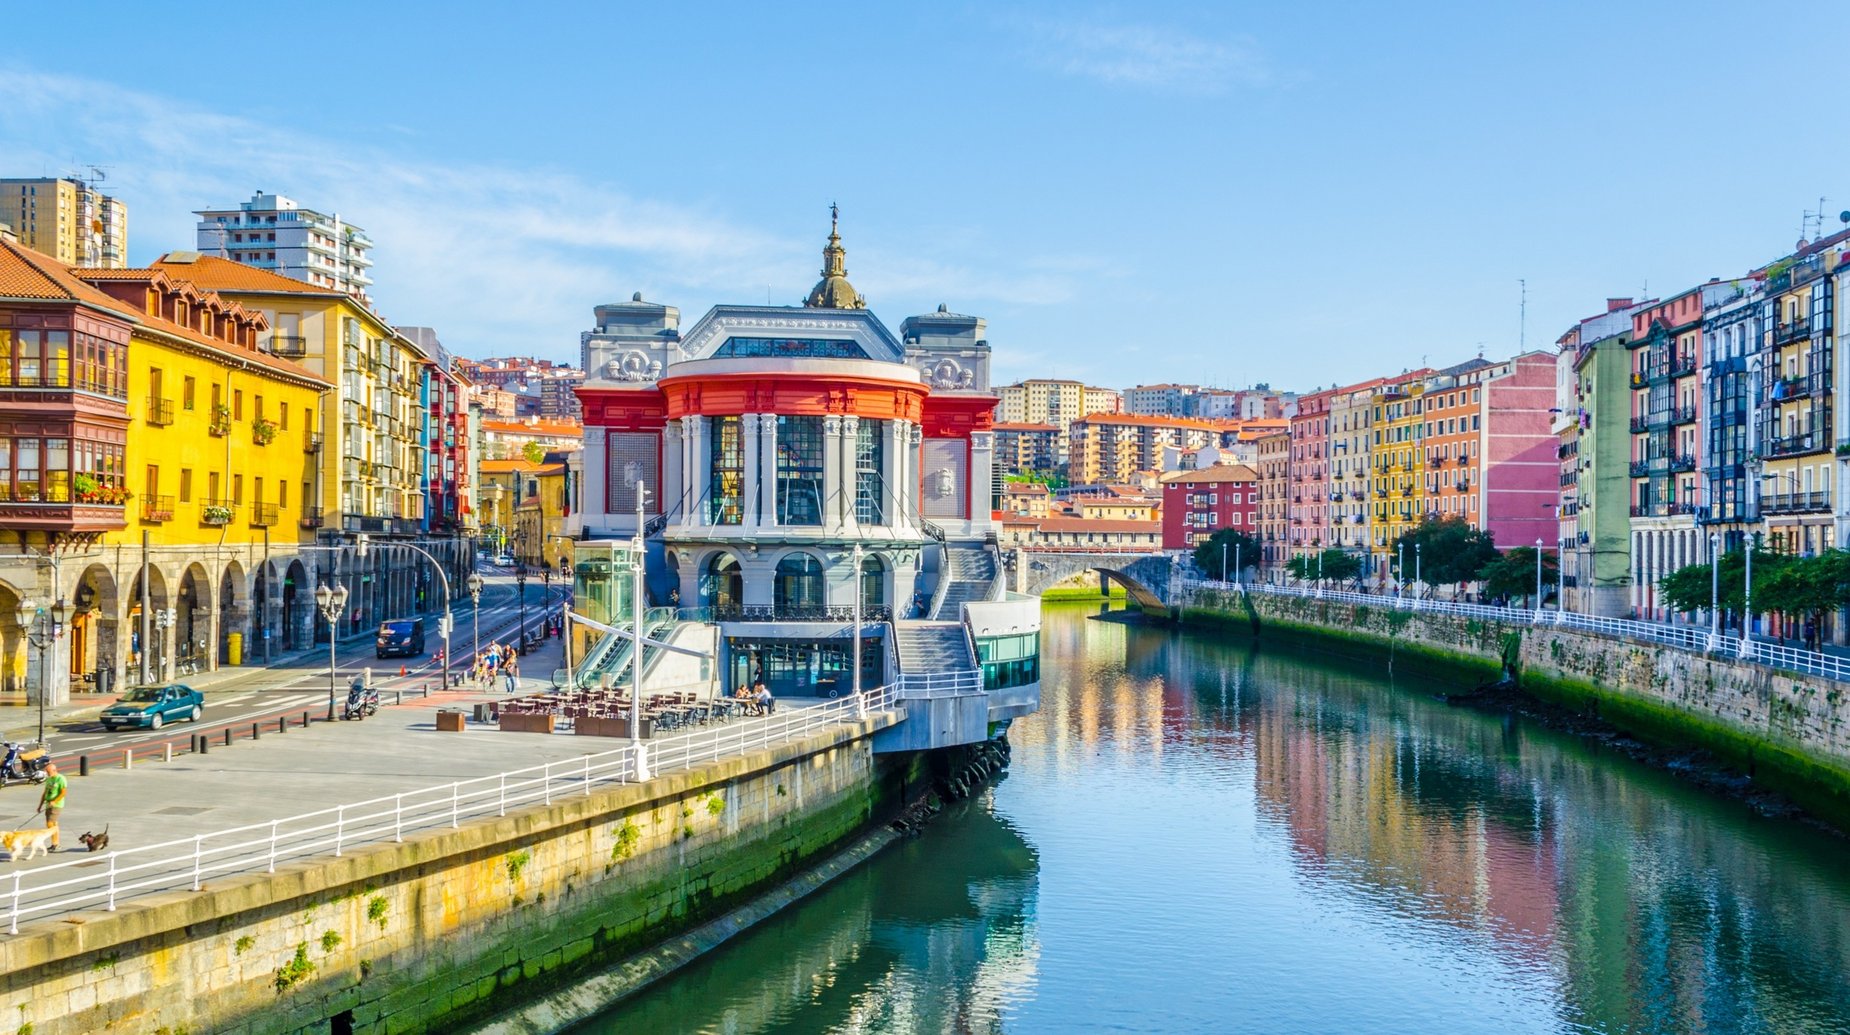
{"points": [[1198, 837]]}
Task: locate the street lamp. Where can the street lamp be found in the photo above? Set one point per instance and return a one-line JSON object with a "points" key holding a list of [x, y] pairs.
{"points": [[163, 621], [1747, 600], [855, 662], [1400, 567], [475, 614], [332, 603], [1715, 590], [638, 588], [1538, 580], [1417, 584], [49, 627], [520, 583]]}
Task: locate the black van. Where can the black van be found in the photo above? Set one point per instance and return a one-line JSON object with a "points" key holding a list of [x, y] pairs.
{"points": [[402, 637]]}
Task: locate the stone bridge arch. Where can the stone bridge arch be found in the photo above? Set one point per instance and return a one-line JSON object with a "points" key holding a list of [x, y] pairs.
{"points": [[1034, 572]]}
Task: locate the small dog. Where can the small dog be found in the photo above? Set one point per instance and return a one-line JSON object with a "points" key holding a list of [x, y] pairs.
{"points": [[24, 844], [95, 842]]}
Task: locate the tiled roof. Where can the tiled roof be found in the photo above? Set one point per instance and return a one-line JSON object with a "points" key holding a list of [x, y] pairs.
{"points": [[25, 273], [214, 273], [1151, 420], [1064, 524], [1217, 473], [1017, 426]]}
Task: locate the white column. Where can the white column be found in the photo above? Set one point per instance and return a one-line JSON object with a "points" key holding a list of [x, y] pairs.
{"points": [[673, 492], [850, 445], [893, 455], [695, 471], [767, 484], [982, 464], [914, 464], [831, 473], [597, 475], [748, 454]]}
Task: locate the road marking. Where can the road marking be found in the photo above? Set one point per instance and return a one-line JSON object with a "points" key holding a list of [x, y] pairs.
{"points": [[235, 700]]}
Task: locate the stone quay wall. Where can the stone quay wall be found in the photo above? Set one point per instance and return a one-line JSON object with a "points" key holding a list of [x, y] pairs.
{"points": [[1789, 731], [451, 926]]}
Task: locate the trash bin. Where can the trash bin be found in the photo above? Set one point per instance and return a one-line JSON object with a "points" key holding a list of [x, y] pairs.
{"points": [[105, 679], [234, 649]]}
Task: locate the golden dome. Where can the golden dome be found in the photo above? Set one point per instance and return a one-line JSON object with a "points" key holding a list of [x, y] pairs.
{"points": [[833, 291]]}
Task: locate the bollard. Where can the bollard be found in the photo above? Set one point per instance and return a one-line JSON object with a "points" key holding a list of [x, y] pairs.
{"points": [[83, 765], [282, 724], [128, 758], [167, 754], [304, 720], [205, 744], [398, 697], [255, 732], [228, 736]]}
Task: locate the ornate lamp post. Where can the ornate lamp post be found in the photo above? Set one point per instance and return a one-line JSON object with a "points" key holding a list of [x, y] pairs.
{"points": [[332, 603], [1538, 580], [45, 628], [855, 662], [1715, 589], [520, 582], [475, 601]]}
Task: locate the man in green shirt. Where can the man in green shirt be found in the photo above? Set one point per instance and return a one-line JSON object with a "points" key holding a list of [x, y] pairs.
{"points": [[52, 800]]}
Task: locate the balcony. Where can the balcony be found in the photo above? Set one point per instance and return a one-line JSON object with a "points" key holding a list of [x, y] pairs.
{"points": [[1640, 423], [160, 412], [1640, 468], [1682, 366], [1682, 462], [288, 346], [1793, 445], [217, 513], [263, 432], [1638, 380], [311, 517], [263, 515], [1682, 415], [1795, 330], [157, 508], [221, 423], [1795, 503], [311, 442]]}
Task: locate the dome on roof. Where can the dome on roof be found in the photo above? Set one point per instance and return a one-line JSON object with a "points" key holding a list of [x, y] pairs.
{"points": [[833, 291]]}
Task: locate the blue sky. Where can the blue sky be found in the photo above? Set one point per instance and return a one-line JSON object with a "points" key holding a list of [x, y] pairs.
{"points": [[1291, 193]]}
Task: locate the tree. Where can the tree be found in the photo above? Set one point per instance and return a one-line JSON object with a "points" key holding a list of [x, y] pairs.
{"points": [[1449, 550], [1330, 565], [1688, 589], [1806, 586], [534, 452], [1512, 574], [1228, 547]]}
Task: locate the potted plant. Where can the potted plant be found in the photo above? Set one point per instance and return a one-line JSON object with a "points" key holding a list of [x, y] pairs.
{"points": [[263, 431], [216, 514], [221, 419]]}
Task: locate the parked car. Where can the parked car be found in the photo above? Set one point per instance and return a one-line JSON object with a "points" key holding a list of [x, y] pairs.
{"points": [[506, 560], [400, 637], [154, 707]]}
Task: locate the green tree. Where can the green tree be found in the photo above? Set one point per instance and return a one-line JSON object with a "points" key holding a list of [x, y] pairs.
{"points": [[1512, 574], [1450, 551], [1330, 565], [1240, 548], [1805, 587], [533, 452], [1688, 589]]}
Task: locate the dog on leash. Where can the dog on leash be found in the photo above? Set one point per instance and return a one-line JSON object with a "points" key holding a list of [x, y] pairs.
{"points": [[24, 844], [94, 842]]}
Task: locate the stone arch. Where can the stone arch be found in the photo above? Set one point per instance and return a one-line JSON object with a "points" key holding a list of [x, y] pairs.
{"points": [[798, 583], [15, 647], [194, 621], [874, 582], [295, 594], [149, 593], [722, 581], [95, 630], [235, 615]]}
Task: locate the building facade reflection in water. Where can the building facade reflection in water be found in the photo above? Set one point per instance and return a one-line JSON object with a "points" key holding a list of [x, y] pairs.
{"points": [[1195, 836]]}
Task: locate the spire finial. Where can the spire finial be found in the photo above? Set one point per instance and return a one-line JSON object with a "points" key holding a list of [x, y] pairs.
{"points": [[833, 291], [834, 217]]}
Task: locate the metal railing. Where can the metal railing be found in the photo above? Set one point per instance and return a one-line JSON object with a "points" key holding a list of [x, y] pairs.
{"points": [[186, 863], [1684, 637], [923, 685]]}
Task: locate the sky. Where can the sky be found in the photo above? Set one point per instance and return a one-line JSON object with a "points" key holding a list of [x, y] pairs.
{"points": [[1229, 193]]}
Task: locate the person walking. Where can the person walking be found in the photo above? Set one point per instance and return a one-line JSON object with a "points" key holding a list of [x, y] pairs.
{"points": [[512, 671], [51, 800]]}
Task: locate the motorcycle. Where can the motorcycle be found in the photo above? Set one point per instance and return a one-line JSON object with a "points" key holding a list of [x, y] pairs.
{"points": [[361, 702], [24, 763]]}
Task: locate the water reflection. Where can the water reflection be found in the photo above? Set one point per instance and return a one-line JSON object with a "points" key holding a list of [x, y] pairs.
{"points": [[937, 936], [1197, 836]]}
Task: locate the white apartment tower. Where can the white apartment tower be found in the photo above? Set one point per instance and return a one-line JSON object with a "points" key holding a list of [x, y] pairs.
{"points": [[274, 233]]}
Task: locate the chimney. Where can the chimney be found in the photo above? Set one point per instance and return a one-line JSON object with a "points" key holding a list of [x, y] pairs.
{"points": [[1613, 305]]}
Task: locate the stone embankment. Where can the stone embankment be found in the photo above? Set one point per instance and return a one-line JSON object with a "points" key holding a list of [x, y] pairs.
{"points": [[1790, 732], [455, 924]]}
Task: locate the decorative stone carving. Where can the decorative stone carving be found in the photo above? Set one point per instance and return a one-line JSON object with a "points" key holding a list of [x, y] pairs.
{"points": [[947, 374], [633, 365], [831, 425], [943, 483]]}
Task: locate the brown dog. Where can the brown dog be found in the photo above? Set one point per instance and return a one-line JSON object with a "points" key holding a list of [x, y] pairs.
{"points": [[95, 842]]}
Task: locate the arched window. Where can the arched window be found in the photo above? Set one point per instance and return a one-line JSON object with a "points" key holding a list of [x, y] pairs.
{"points": [[799, 584], [722, 583], [873, 582]]}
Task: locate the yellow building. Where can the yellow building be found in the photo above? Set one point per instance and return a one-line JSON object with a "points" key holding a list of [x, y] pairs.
{"points": [[370, 455], [539, 519], [1398, 456], [69, 220], [1797, 439]]}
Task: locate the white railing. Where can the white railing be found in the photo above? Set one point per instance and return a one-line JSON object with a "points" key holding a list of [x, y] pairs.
{"points": [[259, 847], [1682, 637], [939, 684]]}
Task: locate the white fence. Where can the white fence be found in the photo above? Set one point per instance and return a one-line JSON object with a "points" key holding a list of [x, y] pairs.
{"points": [[939, 684], [258, 848], [1683, 637]]}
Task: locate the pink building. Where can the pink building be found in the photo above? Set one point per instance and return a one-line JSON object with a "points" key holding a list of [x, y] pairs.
{"points": [[1310, 473], [1521, 472]]}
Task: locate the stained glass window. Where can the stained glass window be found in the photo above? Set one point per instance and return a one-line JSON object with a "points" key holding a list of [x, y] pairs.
{"points": [[869, 461], [726, 488], [799, 470]]}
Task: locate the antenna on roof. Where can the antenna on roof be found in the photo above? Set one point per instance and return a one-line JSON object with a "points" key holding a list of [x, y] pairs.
{"points": [[1522, 322]]}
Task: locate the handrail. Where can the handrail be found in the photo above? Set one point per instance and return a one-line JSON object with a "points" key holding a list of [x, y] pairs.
{"points": [[1690, 638], [185, 863]]}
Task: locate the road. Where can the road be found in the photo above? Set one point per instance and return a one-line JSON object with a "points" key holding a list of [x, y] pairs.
{"points": [[263, 696]]}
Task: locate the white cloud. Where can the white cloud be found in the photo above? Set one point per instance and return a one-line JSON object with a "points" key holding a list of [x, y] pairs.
{"points": [[1150, 57], [497, 259]]}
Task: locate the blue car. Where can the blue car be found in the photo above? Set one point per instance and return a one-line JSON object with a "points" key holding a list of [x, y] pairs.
{"points": [[154, 707]]}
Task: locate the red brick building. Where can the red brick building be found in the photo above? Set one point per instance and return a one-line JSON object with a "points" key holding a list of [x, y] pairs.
{"points": [[1197, 504]]}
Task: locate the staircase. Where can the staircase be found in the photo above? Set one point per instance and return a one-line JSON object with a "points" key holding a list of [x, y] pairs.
{"points": [[969, 572], [927, 647]]}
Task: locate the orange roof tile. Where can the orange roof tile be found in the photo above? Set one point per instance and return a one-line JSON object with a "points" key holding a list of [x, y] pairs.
{"points": [[1216, 473], [25, 273], [214, 273], [548, 428], [1017, 426]]}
